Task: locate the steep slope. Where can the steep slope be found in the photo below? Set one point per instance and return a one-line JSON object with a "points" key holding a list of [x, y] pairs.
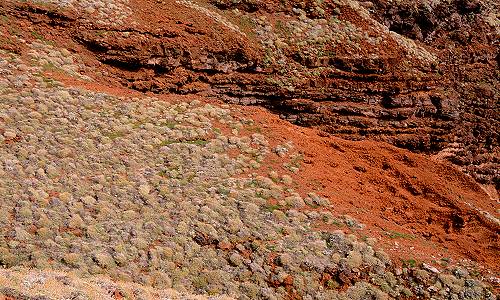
{"points": [[422, 76], [106, 170]]}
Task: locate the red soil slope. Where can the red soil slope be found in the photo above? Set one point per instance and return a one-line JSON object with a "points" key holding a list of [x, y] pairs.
{"points": [[417, 207], [438, 210]]}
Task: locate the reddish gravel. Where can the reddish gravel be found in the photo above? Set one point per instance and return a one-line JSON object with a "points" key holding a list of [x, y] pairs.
{"points": [[433, 205]]}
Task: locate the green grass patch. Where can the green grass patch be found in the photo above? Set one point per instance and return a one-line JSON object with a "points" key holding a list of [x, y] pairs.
{"points": [[444, 261], [247, 25], [200, 283], [400, 235], [100, 32], [331, 284], [271, 247], [114, 135], [297, 160], [50, 67], [167, 142], [163, 173], [5, 41], [272, 207], [281, 231], [138, 124], [255, 129], [253, 183], [337, 223], [40, 37], [198, 142], [283, 28], [223, 191], [49, 82], [411, 263], [260, 194], [191, 177], [169, 124], [14, 31], [37, 36]]}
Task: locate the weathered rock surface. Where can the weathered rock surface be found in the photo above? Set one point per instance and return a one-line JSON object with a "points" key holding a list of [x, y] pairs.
{"points": [[188, 193], [422, 76]]}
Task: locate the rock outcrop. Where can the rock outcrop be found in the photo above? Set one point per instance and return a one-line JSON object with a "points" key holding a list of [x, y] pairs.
{"points": [[419, 75]]}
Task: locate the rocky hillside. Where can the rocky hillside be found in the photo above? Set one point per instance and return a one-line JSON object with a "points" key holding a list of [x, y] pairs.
{"points": [[419, 75], [130, 170]]}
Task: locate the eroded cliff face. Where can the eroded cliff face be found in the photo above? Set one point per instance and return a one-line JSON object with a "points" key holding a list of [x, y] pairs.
{"points": [[420, 75], [105, 168]]}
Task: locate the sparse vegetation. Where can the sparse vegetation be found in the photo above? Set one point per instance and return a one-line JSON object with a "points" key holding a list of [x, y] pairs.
{"points": [[399, 235], [410, 263], [169, 124], [247, 25], [37, 36], [272, 207], [114, 135], [153, 195]]}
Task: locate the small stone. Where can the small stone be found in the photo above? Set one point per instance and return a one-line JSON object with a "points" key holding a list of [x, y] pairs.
{"points": [[371, 241], [89, 200], [76, 221], [65, 196], [9, 134], [64, 95], [144, 190], [72, 259], [236, 259], [430, 268], [65, 52], [354, 259], [287, 179], [52, 171], [40, 172]]}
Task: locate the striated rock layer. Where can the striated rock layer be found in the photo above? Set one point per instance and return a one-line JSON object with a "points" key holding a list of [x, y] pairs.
{"points": [[108, 192], [419, 75]]}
